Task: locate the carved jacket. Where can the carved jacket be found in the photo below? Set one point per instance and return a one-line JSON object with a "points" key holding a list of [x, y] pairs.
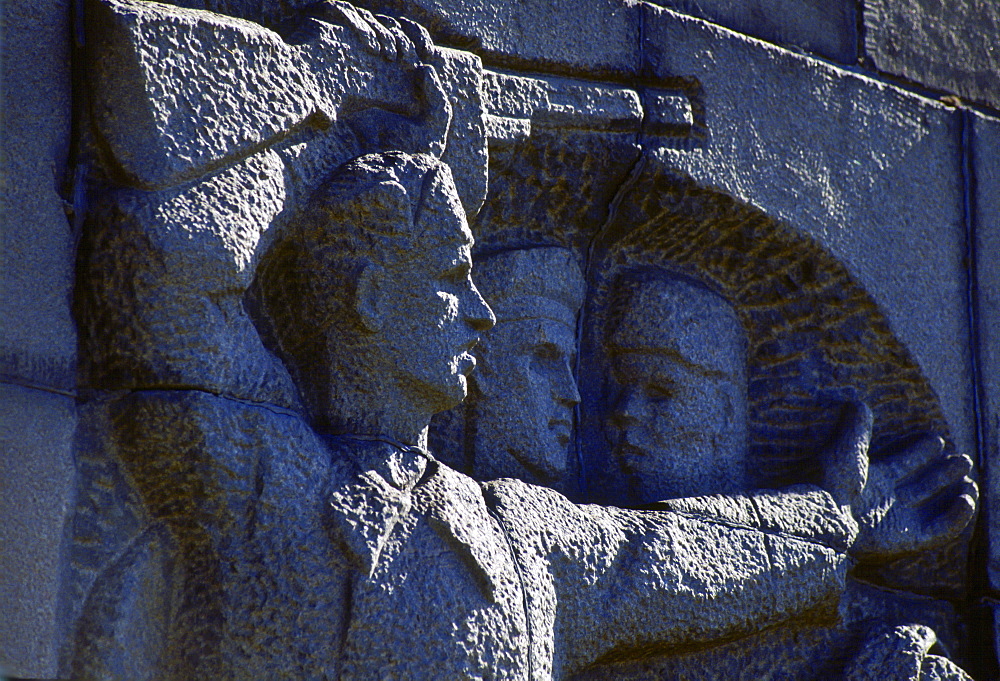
{"points": [[364, 561], [507, 580]]}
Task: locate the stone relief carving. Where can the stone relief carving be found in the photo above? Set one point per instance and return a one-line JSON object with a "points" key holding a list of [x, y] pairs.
{"points": [[679, 426], [275, 296], [518, 421]]}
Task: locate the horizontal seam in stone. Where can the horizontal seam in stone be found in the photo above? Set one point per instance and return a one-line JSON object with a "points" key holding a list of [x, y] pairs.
{"points": [[929, 597], [743, 526], [7, 379], [277, 409]]}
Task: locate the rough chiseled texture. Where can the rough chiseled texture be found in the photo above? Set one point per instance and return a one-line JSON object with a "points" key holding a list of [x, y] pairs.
{"points": [[173, 265], [808, 650], [207, 234], [250, 84], [876, 156], [193, 473], [594, 37], [198, 546], [803, 353], [718, 267], [608, 582]]}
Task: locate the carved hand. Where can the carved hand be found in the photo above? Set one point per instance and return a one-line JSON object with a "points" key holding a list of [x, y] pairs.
{"points": [[913, 500], [408, 44]]}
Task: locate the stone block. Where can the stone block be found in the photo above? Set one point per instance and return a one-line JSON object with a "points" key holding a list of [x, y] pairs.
{"points": [[164, 126], [159, 300], [985, 153], [871, 172], [828, 28], [37, 470], [942, 45], [37, 340], [593, 37]]}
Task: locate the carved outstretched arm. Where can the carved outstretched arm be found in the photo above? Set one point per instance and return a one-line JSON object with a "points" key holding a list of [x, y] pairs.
{"points": [[605, 583]]}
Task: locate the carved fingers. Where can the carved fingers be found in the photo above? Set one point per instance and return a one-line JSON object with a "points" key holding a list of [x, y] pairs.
{"points": [[947, 496], [936, 476], [392, 39], [406, 44], [437, 117], [903, 652], [846, 462], [916, 500], [911, 461], [913, 500], [398, 46], [380, 36], [419, 35]]}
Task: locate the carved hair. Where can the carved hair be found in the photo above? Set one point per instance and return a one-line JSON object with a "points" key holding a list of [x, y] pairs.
{"points": [[544, 281], [630, 329], [371, 210]]}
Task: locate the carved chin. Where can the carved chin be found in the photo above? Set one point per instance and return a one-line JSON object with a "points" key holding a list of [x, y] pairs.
{"points": [[452, 394], [463, 388]]}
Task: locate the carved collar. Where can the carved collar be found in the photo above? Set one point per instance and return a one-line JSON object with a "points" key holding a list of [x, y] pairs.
{"points": [[371, 482]]}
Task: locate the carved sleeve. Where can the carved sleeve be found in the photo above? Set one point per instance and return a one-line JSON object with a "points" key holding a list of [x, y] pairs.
{"points": [[606, 583]]}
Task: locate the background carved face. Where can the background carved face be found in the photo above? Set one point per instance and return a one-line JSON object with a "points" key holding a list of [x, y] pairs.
{"points": [[525, 412], [677, 429], [677, 423], [432, 315]]}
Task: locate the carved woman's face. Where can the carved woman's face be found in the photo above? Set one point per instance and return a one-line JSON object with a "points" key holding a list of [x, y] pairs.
{"points": [[678, 423], [678, 428]]}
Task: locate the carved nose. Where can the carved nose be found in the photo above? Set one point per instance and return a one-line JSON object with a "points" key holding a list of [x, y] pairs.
{"points": [[565, 388], [477, 313]]}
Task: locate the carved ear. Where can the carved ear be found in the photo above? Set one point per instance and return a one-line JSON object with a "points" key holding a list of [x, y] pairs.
{"points": [[368, 298]]}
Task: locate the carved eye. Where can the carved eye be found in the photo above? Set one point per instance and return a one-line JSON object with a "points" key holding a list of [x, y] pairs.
{"points": [[546, 352], [660, 392], [457, 275]]}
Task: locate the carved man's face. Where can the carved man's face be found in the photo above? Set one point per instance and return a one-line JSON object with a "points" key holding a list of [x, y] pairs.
{"points": [[431, 314], [678, 426], [525, 413]]}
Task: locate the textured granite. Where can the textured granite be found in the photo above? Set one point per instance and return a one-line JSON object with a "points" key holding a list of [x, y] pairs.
{"points": [[872, 172], [37, 338], [825, 27], [37, 335], [985, 157], [38, 471], [264, 338], [950, 46], [592, 37]]}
